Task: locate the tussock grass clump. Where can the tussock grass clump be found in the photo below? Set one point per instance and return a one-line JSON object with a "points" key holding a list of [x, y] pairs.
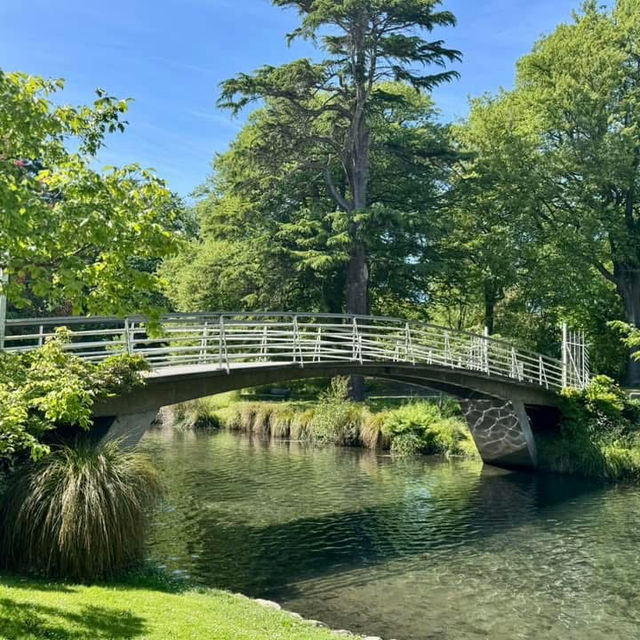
{"points": [[79, 513], [372, 435], [262, 413], [246, 413], [197, 415], [300, 427], [281, 419]]}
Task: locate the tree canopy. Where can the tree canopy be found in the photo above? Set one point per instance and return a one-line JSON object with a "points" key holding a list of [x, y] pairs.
{"points": [[323, 113], [72, 236]]}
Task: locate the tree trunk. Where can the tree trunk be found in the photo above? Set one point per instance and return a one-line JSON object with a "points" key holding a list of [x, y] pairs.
{"points": [[357, 304], [358, 282], [490, 300], [628, 285]]}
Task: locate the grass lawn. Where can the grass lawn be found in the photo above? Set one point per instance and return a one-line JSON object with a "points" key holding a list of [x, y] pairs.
{"points": [[31, 609]]}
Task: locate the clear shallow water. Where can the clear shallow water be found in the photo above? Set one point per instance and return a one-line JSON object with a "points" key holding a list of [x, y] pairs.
{"points": [[407, 550]]}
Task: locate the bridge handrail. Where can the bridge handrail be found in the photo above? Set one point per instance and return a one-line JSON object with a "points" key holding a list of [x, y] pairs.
{"points": [[67, 320], [205, 337]]}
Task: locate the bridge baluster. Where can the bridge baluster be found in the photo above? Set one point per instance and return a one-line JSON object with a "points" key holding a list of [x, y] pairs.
{"points": [[223, 354], [297, 342], [317, 349]]}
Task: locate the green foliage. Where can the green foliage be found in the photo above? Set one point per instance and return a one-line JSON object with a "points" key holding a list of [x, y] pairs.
{"points": [[335, 420], [327, 124], [544, 210], [71, 235], [50, 387], [79, 513], [600, 435], [271, 237], [418, 427], [421, 427]]}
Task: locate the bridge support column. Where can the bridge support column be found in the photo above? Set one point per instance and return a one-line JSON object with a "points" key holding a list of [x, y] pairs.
{"points": [[128, 429], [501, 431]]}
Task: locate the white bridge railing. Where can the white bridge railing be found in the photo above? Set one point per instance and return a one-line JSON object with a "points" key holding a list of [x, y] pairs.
{"points": [[227, 340]]}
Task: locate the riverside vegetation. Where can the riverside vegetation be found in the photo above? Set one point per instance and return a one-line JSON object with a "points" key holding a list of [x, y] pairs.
{"points": [[70, 507], [412, 428], [598, 435]]}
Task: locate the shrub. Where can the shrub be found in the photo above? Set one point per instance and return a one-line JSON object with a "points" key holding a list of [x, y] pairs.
{"points": [[79, 513], [599, 436], [50, 387], [421, 428], [406, 444], [335, 420]]}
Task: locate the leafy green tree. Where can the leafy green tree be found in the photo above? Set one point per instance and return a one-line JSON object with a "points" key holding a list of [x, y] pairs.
{"points": [[271, 235], [555, 172], [323, 113], [581, 88], [69, 234]]}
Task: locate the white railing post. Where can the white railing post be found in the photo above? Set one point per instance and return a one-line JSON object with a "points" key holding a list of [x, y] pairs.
{"points": [[409, 344], [127, 336], [264, 344], [356, 339], [204, 346], [448, 355], [223, 354], [297, 343], [565, 354], [317, 349], [485, 350]]}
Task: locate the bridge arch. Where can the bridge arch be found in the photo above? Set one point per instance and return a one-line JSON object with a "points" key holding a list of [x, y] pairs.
{"points": [[198, 355]]}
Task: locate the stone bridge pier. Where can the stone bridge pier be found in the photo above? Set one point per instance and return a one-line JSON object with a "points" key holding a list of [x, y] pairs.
{"points": [[501, 430]]}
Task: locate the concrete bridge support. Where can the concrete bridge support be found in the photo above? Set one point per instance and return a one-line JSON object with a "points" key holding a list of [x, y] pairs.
{"points": [[501, 430]]}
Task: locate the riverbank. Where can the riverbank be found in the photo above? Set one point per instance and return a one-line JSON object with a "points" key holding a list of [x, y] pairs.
{"points": [[38, 610], [399, 425], [598, 435]]}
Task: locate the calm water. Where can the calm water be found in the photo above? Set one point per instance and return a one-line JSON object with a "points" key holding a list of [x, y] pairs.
{"points": [[412, 550]]}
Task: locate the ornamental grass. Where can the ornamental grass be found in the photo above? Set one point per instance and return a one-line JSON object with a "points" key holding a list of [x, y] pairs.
{"points": [[79, 513]]}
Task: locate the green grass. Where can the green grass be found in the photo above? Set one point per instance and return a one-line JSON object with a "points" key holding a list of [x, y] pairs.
{"points": [[34, 610]]}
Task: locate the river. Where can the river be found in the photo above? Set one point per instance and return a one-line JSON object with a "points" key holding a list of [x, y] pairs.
{"points": [[413, 550]]}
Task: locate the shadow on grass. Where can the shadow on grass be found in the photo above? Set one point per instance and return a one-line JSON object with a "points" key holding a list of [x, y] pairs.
{"points": [[36, 584], [24, 620], [147, 577]]}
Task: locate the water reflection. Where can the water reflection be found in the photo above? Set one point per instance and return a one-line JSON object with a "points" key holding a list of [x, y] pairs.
{"points": [[416, 549]]}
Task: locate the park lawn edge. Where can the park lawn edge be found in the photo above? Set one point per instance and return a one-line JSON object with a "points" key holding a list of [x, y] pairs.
{"points": [[33, 609]]}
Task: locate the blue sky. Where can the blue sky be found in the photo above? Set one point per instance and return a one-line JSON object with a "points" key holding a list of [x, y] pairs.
{"points": [[170, 55]]}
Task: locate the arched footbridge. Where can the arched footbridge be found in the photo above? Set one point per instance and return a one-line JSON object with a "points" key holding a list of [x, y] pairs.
{"points": [[505, 392]]}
